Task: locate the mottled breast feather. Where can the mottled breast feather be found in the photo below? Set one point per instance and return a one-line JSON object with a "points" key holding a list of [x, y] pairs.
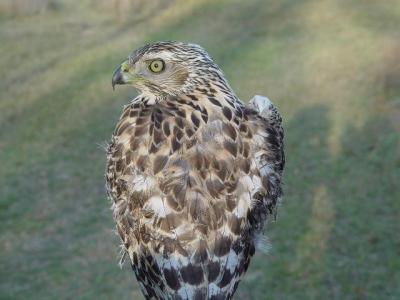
{"points": [[193, 179]]}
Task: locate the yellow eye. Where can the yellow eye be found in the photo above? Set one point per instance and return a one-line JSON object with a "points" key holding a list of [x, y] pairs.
{"points": [[156, 66]]}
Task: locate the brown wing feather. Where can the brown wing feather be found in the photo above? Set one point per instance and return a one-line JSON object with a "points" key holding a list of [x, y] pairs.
{"points": [[268, 153]]}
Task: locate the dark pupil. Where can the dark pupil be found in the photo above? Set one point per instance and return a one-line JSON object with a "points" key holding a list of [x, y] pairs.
{"points": [[156, 65]]}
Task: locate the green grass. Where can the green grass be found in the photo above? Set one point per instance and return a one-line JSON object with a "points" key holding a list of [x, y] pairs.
{"points": [[332, 68]]}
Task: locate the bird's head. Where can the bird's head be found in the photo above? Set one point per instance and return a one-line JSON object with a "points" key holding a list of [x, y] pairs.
{"points": [[166, 68]]}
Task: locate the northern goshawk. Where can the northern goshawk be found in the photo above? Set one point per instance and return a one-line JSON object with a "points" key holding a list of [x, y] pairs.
{"points": [[193, 173]]}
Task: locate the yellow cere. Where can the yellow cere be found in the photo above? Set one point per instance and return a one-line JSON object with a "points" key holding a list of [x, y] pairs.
{"points": [[125, 66]]}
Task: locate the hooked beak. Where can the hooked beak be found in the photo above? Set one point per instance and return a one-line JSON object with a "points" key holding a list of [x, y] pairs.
{"points": [[117, 77], [121, 75]]}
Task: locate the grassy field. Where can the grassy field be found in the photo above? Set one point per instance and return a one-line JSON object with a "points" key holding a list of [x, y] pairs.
{"points": [[332, 68]]}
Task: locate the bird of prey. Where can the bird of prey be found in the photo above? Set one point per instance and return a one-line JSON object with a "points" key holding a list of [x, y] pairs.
{"points": [[193, 173]]}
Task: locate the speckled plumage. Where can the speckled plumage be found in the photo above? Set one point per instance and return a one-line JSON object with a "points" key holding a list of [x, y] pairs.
{"points": [[193, 174]]}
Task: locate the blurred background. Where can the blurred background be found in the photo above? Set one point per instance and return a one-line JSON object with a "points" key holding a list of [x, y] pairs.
{"points": [[331, 67]]}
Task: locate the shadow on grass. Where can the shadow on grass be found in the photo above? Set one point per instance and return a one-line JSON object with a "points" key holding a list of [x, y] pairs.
{"points": [[361, 262]]}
